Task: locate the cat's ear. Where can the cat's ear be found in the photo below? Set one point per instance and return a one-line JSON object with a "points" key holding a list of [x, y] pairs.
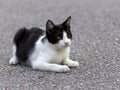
{"points": [[49, 25], [67, 22]]}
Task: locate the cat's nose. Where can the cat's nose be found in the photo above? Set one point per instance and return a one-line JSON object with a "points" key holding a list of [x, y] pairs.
{"points": [[67, 43]]}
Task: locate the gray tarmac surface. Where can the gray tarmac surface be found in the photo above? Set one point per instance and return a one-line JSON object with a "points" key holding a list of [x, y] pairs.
{"points": [[96, 44]]}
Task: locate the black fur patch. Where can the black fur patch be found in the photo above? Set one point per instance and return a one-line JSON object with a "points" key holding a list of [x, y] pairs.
{"points": [[25, 40]]}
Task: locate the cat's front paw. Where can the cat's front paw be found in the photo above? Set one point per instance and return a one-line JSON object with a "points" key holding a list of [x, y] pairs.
{"points": [[73, 64], [64, 68]]}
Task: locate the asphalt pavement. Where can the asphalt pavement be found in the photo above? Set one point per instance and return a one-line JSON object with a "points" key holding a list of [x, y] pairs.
{"points": [[95, 44]]}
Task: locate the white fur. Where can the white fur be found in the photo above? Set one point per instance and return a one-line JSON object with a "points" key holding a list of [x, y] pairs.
{"points": [[48, 57], [65, 39], [14, 59]]}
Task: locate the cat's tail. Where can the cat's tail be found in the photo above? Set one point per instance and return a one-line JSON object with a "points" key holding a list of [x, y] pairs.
{"points": [[20, 35]]}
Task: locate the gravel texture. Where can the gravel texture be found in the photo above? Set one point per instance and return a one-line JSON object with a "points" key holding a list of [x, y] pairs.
{"points": [[96, 44]]}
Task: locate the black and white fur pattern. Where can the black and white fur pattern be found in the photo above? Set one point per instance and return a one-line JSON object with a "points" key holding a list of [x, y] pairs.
{"points": [[44, 50]]}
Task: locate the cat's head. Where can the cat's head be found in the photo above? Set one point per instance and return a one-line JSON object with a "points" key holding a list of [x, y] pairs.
{"points": [[59, 35]]}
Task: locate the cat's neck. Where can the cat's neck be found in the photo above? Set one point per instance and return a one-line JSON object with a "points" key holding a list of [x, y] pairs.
{"points": [[57, 48]]}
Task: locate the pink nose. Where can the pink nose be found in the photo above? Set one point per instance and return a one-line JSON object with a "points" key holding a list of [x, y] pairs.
{"points": [[67, 43]]}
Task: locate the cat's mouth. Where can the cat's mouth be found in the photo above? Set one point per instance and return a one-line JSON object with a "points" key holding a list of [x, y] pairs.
{"points": [[63, 46], [66, 45]]}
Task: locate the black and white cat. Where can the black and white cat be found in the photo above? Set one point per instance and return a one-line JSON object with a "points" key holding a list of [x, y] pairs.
{"points": [[44, 50]]}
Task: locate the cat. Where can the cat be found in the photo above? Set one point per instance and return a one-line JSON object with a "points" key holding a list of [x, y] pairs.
{"points": [[44, 50]]}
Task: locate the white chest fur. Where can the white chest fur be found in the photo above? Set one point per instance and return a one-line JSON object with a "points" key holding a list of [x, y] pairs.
{"points": [[58, 56]]}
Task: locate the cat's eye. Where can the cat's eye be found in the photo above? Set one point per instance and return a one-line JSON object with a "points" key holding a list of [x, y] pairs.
{"points": [[58, 37], [69, 36]]}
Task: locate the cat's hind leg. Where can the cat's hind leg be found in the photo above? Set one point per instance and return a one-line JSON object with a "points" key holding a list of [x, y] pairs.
{"points": [[14, 60]]}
